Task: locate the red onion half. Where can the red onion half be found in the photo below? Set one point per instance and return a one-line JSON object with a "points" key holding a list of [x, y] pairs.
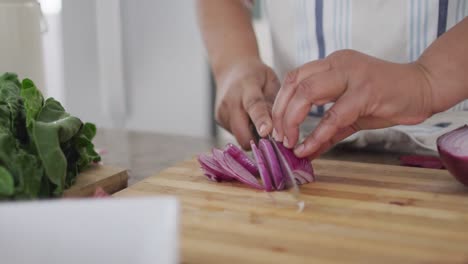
{"points": [[234, 164], [453, 151]]}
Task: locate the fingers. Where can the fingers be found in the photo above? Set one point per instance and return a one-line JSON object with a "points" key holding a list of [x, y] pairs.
{"points": [[342, 114], [258, 106], [318, 89], [291, 82], [342, 133]]}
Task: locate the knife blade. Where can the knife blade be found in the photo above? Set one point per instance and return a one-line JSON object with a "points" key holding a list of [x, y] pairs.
{"points": [[290, 179]]}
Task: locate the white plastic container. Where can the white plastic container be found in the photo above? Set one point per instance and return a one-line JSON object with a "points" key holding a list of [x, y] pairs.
{"points": [[20, 39]]}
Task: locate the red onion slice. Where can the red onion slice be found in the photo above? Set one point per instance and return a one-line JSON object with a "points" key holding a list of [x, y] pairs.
{"points": [[262, 168], [242, 158], [273, 163], [218, 155], [212, 168], [299, 166], [453, 151], [241, 173]]}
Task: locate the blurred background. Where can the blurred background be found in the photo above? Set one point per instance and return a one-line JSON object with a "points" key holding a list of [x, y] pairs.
{"points": [[138, 65]]}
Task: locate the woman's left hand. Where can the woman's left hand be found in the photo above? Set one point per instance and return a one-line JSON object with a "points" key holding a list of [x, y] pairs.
{"points": [[369, 93]]}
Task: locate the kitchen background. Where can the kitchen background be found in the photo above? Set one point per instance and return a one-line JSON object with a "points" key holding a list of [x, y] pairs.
{"points": [[139, 65]]}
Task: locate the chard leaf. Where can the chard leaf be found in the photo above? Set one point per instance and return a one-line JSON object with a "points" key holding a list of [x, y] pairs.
{"points": [[33, 100], [7, 187]]}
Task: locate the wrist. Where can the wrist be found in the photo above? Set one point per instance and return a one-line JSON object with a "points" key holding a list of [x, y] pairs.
{"points": [[228, 66]]}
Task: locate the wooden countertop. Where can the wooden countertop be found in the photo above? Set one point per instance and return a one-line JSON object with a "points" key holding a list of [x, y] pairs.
{"points": [[110, 179], [354, 213]]}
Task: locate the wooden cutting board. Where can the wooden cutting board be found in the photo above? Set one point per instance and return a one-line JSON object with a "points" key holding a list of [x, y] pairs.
{"points": [[354, 213], [110, 179]]}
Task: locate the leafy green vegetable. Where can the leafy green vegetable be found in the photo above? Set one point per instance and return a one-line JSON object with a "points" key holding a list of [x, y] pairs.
{"points": [[33, 100], [6, 183], [42, 147]]}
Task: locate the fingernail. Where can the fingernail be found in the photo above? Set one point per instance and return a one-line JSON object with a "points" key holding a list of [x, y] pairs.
{"points": [[299, 149], [285, 142], [275, 135], [262, 130]]}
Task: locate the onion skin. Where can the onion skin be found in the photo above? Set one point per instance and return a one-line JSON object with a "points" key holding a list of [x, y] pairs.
{"points": [[449, 151]]}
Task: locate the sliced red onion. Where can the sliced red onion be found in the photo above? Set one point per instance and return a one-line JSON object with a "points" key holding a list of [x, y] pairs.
{"points": [[241, 173], [262, 168], [233, 164], [218, 156], [242, 158], [212, 168], [453, 151], [299, 166], [299, 179], [273, 164]]}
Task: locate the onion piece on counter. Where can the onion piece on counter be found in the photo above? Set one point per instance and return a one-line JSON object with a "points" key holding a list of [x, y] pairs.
{"points": [[241, 173], [262, 168], [453, 151], [422, 161], [242, 158], [273, 163], [213, 169], [218, 155]]}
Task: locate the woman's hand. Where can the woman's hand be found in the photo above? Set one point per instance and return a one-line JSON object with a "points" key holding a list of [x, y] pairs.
{"points": [[245, 94], [368, 93]]}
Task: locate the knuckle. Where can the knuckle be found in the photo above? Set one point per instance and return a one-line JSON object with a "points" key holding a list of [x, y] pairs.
{"points": [[308, 90], [339, 57], [291, 76], [253, 103], [355, 127], [276, 115], [331, 118]]}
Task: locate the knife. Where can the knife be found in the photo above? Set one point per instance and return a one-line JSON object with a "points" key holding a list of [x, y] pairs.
{"points": [[290, 179]]}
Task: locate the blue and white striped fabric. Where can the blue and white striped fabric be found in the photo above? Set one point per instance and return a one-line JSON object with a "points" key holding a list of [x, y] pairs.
{"points": [[395, 30]]}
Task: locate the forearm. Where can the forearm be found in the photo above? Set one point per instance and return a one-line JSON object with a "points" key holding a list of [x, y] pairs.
{"points": [[227, 32], [445, 63]]}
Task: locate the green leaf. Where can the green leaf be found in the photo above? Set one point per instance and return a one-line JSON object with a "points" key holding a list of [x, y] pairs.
{"points": [[89, 130], [52, 127], [25, 168], [33, 100], [7, 187]]}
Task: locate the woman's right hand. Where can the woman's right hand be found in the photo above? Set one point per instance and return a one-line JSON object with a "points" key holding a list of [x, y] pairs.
{"points": [[245, 94]]}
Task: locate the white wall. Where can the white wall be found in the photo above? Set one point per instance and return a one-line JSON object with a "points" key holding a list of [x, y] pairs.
{"points": [[165, 73], [81, 79]]}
